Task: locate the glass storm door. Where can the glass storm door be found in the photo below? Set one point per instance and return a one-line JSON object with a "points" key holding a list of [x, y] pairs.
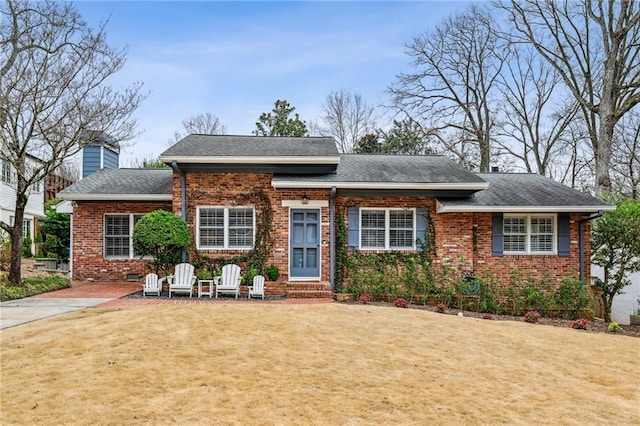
{"points": [[304, 255]]}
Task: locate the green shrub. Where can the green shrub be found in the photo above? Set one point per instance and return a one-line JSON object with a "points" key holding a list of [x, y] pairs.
{"points": [[26, 247], [247, 279], [272, 272], [572, 297], [57, 230], [32, 286], [164, 236]]}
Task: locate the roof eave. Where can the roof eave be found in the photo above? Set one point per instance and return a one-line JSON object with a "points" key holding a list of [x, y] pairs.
{"points": [[522, 209], [301, 159], [474, 186], [116, 197]]}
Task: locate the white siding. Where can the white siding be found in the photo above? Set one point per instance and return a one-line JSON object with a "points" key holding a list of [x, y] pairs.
{"points": [[623, 304]]}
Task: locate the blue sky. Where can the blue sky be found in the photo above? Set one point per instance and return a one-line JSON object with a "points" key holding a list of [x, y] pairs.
{"points": [[234, 59]]}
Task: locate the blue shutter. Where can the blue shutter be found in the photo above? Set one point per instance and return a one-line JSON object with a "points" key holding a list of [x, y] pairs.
{"points": [[353, 228], [497, 239], [421, 229], [563, 234]]}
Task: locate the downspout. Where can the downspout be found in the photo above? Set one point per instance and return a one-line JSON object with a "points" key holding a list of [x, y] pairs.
{"points": [[332, 238], [183, 198], [581, 223]]}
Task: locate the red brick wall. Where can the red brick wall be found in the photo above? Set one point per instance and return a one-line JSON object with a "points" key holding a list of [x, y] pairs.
{"points": [[223, 189], [454, 240], [88, 240]]}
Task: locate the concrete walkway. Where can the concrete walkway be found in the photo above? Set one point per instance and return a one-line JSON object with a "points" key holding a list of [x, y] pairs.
{"points": [[82, 295], [79, 296]]}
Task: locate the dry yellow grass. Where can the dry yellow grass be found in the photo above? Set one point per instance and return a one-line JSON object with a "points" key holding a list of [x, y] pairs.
{"points": [[311, 364]]}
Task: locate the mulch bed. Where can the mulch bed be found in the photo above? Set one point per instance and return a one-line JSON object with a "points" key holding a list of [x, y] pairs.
{"points": [[595, 326]]}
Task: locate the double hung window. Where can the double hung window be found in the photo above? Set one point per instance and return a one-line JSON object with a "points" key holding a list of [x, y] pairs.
{"points": [[225, 227], [387, 229], [529, 234]]}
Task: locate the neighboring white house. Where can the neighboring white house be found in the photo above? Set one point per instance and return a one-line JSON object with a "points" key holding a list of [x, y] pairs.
{"points": [[35, 204], [623, 304]]}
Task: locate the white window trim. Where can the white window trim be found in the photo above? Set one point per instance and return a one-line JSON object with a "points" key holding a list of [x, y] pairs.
{"points": [[131, 224], [7, 172], [527, 219], [226, 228], [387, 228]]}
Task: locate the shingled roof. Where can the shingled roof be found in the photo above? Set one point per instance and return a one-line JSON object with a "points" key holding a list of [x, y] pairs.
{"points": [[519, 192], [204, 148], [122, 184], [371, 171]]}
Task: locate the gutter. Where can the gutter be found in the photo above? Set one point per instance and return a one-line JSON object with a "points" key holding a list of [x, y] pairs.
{"points": [[183, 198], [581, 223], [332, 245]]}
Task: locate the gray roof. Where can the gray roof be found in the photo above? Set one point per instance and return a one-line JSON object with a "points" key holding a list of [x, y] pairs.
{"points": [[251, 146], [113, 184], [369, 168], [524, 191]]}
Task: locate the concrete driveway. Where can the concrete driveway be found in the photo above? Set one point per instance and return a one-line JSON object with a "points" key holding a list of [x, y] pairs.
{"points": [[79, 296]]}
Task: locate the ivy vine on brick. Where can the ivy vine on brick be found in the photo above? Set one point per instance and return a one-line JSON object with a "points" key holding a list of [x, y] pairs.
{"points": [[254, 259]]}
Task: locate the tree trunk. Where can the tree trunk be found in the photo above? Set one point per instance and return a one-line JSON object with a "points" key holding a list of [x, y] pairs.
{"points": [[603, 155], [607, 301], [15, 274]]}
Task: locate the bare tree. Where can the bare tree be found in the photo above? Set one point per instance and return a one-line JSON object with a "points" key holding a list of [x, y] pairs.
{"points": [[454, 81], [532, 122], [347, 118], [53, 92], [626, 156], [594, 47], [204, 124]]}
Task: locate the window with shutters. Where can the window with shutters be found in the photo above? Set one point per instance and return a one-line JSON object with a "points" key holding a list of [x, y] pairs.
{"points": [[529, 234], [387, 229]]}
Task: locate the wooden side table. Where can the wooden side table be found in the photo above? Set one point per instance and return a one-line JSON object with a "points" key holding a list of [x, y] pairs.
{"points": [[205, 293]]}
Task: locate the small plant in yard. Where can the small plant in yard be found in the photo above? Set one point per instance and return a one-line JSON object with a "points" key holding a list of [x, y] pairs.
{"points": [[401, 303], [580, 324], [532, 317], [272, 272], [365, 298], [614, 327], [441, 308]]}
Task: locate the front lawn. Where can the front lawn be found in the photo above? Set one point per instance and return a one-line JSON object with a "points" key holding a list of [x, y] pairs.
{"points": [[311, 364]]}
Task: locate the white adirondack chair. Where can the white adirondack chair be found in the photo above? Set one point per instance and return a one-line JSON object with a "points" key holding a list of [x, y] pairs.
{"points": [[151, 285], [229, 281], [182, 280], [257, 289]]}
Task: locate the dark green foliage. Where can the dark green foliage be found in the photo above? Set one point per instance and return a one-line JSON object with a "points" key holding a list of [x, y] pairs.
{"points": [[247, 279], [278, 122], [32, 286], [615, 244], [26, 247], [272, 272], [572, 296], [368, 144], [342, 261], [405, 137], [162, 235], [57, 230]]}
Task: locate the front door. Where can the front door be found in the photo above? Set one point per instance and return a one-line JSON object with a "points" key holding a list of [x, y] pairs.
{"points": [[304, 253]]}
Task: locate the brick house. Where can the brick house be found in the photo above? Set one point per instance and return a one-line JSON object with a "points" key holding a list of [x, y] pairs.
{"points": [[494, 221]]}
